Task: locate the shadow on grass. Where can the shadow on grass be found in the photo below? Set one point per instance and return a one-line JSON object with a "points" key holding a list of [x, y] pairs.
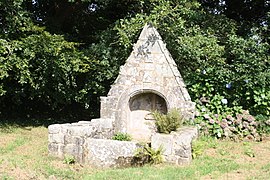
{"points": [[9, 125], [43, 119], [35, 115]]}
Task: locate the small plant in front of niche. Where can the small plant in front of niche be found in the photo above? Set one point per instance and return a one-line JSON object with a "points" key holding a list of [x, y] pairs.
{"points": [[69, 159], [122, 137], [169, 122], [153, 156]]}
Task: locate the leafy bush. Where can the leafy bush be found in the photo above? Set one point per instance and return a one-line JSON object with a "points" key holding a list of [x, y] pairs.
{"points": [[263, 124], [154, 156], [122, 137], [218, 120], [262, 101], [167, 123]]}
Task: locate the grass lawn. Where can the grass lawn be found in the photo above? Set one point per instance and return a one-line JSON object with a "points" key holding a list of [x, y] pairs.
{"points": [[24, 155]]}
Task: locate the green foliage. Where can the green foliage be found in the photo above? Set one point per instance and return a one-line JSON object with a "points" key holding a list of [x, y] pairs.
{"points": [[263, 124], [248, 62], [42, 72], [69, 159], [122, 137], [169, 122], [57, 54], [217, 120], [45, 67], [203, 142], [262, 101], [154, 156], [15, 20]]}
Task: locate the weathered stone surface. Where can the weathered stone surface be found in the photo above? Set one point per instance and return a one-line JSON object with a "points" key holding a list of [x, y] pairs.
{"points": [[110, 153], [84, 122], [53, 149], [185, 135], [177, 145], [183, 161], [165, 141], [70, 138], [74, 150], [54, 128], [102, 123], [77, 140], [57, 138]]}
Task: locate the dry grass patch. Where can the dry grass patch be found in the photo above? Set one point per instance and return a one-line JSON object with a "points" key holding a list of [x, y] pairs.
{"points": [[252, 157]]}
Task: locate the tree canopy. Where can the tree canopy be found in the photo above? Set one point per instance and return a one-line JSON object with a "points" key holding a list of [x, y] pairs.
{"points": [[59, 56]]}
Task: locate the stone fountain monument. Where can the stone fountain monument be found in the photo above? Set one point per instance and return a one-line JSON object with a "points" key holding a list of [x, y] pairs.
{"points": [[148, 81]]}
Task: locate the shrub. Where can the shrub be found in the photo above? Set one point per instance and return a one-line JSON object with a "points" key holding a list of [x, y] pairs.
{"points": [[122, 137], [154, 156], [263, 124], [218, 120], [227, 125], [167, 123]]}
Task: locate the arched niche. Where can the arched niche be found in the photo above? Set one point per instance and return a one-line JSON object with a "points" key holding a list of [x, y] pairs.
{"points": [[141, 124], [148, 102]]}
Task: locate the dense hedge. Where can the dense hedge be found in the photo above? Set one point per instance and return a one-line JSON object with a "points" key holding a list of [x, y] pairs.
{"points": [[46, 72]]}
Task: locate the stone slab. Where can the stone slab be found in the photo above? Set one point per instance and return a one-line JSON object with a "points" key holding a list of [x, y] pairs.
{"points": [[177, 145], [104, 153]]}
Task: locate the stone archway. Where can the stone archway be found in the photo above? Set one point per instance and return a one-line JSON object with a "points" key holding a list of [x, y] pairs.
{"points": [[141, 123]]}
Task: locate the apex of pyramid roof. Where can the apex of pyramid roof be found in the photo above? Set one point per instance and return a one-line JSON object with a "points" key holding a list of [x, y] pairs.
{"points": [[149, 32]]}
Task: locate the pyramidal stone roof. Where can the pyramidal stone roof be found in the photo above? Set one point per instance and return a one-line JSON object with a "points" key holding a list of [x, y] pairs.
{"points": [[149, 69], [151, 62]]}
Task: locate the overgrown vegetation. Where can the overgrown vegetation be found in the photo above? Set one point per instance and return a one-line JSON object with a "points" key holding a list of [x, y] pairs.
{"points": [[122, 137], [216, 119], [169, 122]]}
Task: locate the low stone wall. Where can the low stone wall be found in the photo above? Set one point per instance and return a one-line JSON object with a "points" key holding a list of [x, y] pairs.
{"points": [[177, 146], [110, 153], [90, 143], [70, 138]]}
